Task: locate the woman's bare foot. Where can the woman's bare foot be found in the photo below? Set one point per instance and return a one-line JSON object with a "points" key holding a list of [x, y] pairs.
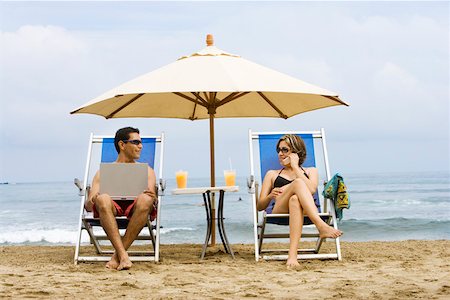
{"points": [[292, 263], [329, 232], [113, 263]]}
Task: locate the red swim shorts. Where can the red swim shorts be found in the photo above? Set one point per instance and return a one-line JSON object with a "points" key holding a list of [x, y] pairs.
{"points": [[123, 207]]}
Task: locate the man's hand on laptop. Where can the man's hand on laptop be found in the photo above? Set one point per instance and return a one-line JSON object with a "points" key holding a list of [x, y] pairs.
{"points": [[94, 198], [92, 202], [89, 204]]}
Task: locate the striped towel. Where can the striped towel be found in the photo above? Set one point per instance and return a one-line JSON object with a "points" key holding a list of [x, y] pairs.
{"points": [[336, 190]]}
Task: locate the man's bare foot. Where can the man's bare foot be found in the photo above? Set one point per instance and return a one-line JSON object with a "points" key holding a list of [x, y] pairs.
{"points": [[329, 232], [125, 264], [292, 263], [113, 264]]}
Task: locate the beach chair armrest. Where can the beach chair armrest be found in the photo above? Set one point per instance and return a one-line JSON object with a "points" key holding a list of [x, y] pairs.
{"points": [[161, 187], [88, 188], [251, 184], [79, 184]]}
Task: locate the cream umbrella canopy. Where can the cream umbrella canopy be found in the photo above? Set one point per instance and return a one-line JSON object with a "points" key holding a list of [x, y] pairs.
{"points": [[210, 84]]}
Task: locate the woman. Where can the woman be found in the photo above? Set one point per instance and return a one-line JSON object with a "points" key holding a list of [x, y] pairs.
{"points": [[292, 188]]}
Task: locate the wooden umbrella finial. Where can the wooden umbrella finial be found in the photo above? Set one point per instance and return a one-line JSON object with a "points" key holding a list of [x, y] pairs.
{"points": [[209, 40]]}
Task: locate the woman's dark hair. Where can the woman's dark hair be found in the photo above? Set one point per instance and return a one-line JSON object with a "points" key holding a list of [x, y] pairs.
{"points": [[123, 134], [296, 144]]}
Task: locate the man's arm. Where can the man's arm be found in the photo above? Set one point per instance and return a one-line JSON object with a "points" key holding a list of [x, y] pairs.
{"points": [[93, 192], [151, 183]]}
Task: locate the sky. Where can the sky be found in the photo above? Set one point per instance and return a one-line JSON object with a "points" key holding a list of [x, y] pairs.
{"points": [[389, 60]]}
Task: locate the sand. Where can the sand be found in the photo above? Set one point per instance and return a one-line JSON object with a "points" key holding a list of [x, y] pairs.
{"points": [[369, 270]]}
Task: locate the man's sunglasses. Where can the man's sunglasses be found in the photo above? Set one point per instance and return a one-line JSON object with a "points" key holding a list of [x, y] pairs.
{"points": [[284, 150], [134, 142]]}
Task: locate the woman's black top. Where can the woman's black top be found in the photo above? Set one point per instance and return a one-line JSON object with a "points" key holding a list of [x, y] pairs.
{"points": [[281, 181]]}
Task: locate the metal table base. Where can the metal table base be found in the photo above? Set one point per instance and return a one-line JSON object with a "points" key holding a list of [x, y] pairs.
{"points": [[210, 220], [206, 193]]}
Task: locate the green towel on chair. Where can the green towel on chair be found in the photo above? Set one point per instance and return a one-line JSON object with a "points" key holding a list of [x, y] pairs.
{"points": [[336, 190]]}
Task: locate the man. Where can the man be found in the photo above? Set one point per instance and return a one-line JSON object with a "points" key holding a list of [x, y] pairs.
{"points": [[128, 145]]}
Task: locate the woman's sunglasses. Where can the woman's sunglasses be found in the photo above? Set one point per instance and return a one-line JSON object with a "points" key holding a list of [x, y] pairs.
{"points": [[134, 142], [284, 150]]}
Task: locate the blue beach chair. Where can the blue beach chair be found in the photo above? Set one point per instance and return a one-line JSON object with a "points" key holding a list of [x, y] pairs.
{"points": [[153, 147], [262, 154]]}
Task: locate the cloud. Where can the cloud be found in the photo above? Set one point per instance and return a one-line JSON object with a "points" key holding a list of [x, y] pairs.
{"points": [[392, 76], [42, 42], [38, 65], [389, 63], [34, 55], [36, 60]]}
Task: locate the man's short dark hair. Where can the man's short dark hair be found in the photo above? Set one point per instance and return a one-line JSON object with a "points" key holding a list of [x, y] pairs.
{"points": [[123, 134]]}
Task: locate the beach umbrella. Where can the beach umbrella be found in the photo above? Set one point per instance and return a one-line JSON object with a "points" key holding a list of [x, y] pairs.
{"points": [[209, 84]]}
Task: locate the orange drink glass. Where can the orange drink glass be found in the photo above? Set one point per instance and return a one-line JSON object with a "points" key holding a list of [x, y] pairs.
{"points": [[230, 177], [181, 177]]}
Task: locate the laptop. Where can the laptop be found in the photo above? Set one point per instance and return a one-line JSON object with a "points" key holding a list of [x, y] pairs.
{"points": [[123, 181]]}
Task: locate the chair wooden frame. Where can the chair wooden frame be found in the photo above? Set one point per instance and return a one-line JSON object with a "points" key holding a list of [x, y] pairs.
{"points": [[328, 214]]}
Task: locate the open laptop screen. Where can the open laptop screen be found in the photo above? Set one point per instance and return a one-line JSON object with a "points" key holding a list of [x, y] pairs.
{"points": [[123, 181]]}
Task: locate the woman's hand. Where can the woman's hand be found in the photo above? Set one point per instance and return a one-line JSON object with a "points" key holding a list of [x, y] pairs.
{"points": [[275, 192], [291, 160], [294, 160]]}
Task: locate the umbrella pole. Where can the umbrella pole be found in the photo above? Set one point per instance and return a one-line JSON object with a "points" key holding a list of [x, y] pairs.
{"points": [[213, 177]]}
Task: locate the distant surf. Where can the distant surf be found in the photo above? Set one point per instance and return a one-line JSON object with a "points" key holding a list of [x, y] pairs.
{"points": [[384, 207]]}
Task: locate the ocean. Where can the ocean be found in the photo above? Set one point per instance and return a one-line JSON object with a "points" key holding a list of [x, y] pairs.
{"points": [[384, 207]]}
